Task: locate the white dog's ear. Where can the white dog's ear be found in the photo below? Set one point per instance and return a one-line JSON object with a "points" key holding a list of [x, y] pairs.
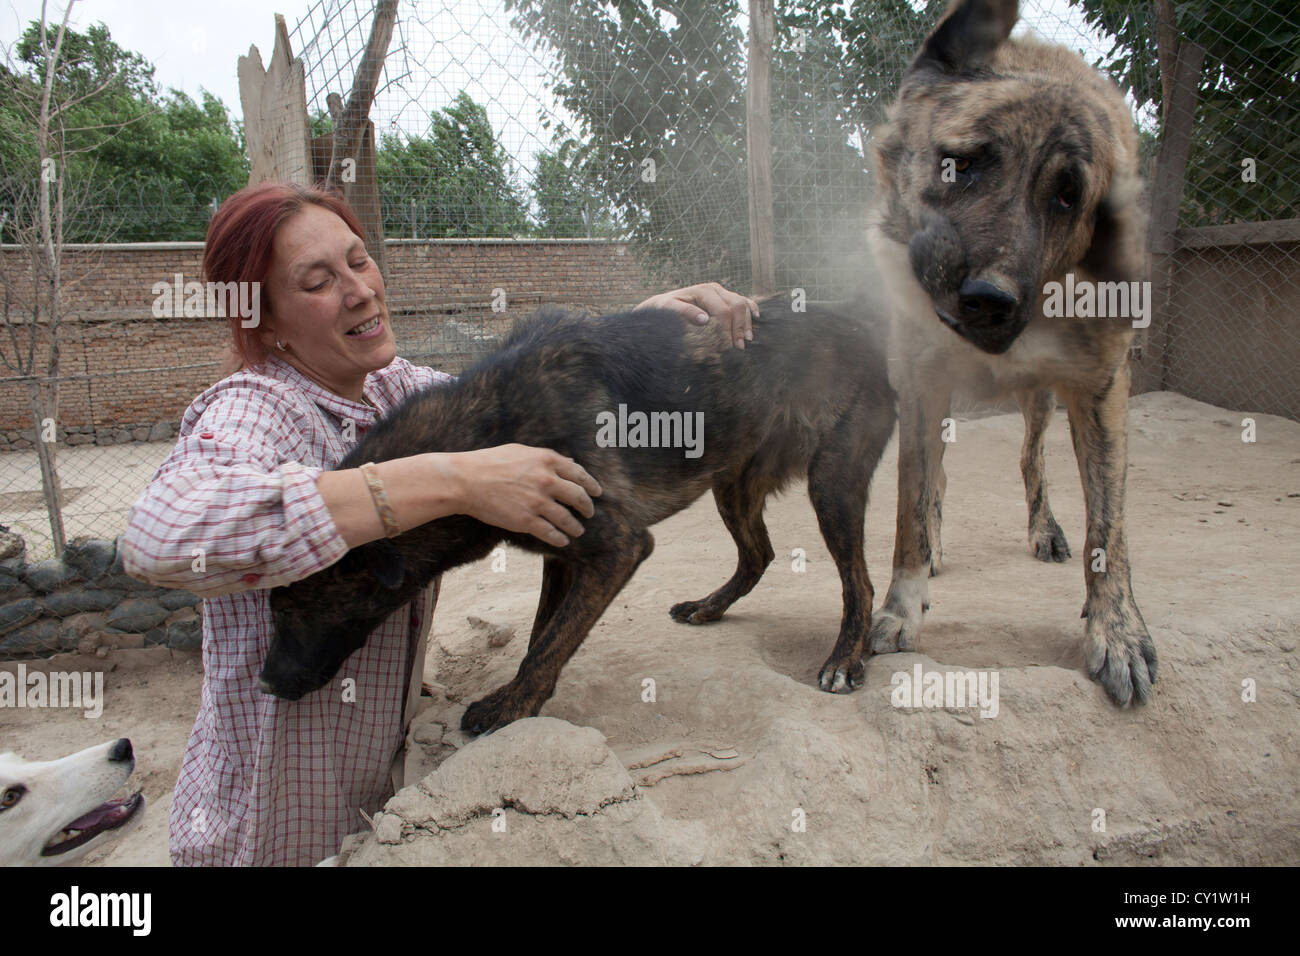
{"points": [[967, 35], [1117, 251]]}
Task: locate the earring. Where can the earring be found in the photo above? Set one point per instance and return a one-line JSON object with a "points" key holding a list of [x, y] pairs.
{"points": [[279, 346]]}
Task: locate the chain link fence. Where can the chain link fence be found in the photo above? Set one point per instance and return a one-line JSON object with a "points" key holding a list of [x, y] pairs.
{"points": [[588, 120]]}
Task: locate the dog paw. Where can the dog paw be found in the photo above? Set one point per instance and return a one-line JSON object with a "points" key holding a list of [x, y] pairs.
{"points": [[839, 676], [1048, 542], [695, 612], [496, 710], [892, 632], [1121, 655]]}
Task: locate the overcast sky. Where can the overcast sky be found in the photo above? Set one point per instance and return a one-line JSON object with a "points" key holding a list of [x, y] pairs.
{"points": [[449, 45]]}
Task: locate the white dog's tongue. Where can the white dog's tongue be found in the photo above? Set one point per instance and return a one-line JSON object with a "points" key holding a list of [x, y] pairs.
{"points": [[96, 816]]}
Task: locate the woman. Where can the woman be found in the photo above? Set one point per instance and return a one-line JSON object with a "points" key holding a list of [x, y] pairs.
{"points": [[245, 502]]}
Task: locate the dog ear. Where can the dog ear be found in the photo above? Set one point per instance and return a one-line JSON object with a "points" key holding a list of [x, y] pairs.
{"points": [[967, 35], [1117, 250]]}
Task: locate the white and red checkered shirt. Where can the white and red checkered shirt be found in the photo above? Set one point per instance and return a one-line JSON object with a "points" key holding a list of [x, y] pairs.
{"points": [[232, 512]]}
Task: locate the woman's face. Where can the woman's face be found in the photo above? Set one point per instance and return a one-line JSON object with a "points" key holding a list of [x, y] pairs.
{"points": [[327, 302]]}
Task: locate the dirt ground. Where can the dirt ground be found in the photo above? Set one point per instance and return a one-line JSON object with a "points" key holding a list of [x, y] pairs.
{"points": [[738, 741]]}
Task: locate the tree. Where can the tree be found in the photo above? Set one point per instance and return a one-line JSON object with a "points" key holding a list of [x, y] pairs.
{"points": [[658, 88], [1247, 104], [567, 195], [40, 190], [457, 181]]}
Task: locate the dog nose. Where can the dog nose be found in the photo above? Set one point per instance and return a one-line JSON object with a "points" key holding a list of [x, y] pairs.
{"points": [[983, 303], [121, 751]]}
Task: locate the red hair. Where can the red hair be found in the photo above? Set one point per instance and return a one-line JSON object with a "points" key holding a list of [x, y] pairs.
{"points": [[238, 247]]}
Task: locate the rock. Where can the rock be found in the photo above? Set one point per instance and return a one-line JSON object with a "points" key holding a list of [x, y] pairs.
{"points": [[388, 828], [80, 440], [162, 431], [44, 576], [103, 436], [11, 545], [136, 615], [560, 792], [89, 643], [17, 613], [125, 582], [186, 635], [91, 557], [79, 625], [174, 600], [38, 639], [121, 436], [140, 433], [11, 586], [64, 603], [119, 641], [497, 635]]}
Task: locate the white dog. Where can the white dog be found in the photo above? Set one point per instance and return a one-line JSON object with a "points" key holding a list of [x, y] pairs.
{"points": [[56, 812]]}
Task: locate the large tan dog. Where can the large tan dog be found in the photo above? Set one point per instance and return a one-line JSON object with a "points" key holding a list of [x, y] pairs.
{"points": [[1009, 236]]}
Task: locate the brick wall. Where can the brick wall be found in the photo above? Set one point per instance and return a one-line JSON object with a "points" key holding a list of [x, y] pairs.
{"points": [[124, 369]]}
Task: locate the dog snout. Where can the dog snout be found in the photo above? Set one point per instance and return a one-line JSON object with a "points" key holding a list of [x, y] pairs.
{"points": [[983, 303], [121, 751]]}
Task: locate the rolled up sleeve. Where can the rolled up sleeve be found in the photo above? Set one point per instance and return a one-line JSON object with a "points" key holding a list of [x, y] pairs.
{"points": [[231, 508]]}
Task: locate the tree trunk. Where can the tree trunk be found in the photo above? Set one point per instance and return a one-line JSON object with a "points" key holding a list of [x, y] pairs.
{"points": [[758, 109]]}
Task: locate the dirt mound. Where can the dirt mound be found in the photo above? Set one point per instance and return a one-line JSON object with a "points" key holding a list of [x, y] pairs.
{"points": [[716, 747]]}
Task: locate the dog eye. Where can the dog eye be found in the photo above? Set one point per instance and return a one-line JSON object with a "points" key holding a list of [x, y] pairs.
{"points": [[10, 797], [1067, 196], [960, 163]]}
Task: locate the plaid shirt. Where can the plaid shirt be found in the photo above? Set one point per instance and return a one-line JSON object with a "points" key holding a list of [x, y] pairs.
{"points": [[232, 512]]}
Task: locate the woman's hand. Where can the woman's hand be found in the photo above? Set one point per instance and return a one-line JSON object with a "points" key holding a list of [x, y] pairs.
{"points": [[526, 489], [515, 487], [699, 302]]}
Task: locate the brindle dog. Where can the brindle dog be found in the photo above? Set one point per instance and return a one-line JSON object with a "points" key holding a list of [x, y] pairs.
{"points": [[1004, 166], [809, 396]]}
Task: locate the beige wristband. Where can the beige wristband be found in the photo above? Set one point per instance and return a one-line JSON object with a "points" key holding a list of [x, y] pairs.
{"points": [[391, 528]]}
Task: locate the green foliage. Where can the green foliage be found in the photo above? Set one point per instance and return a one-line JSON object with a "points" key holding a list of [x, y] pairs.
{"points": [[658, 92], [1247, 106], [141, 165], [568, 198], [458, 181]]}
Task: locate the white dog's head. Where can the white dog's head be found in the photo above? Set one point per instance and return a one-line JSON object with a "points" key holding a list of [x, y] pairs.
{"points": [[56, 812]]}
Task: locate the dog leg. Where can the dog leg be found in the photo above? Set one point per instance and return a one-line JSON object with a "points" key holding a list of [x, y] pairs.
{"points": [[1118, 649], [740, 502], [593, 584], [936, 516], [1046, 539], [838, 479], [555, 584], [921, 410]]}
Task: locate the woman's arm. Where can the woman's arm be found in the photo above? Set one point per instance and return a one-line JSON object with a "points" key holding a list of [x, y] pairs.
{"points": [[226, 512], [515, 487]]}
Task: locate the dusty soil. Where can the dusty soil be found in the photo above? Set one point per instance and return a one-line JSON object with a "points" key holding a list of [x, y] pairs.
{"points": [[738, 746]]}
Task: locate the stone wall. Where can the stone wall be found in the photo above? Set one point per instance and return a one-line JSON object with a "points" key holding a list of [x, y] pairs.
{"points": [[85, 602]]}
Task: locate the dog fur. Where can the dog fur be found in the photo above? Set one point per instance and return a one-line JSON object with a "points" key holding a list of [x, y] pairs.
{"points": [[39, 802], [809, 396], [1004, 165]]}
